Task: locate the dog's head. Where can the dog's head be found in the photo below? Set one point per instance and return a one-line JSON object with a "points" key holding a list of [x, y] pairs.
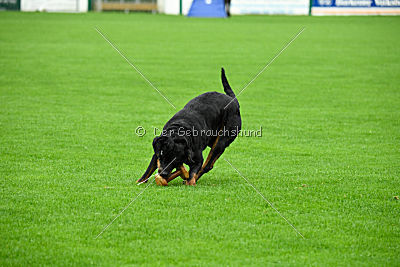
{"points": [[171, 152]]}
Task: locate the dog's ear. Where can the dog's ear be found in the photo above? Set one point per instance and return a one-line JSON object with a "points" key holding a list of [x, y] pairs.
{"points": [[162, 142], [156, 144], [185, 143]]}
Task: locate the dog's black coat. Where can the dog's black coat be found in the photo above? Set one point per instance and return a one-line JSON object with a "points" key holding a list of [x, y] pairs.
{"points": [[195, 127]]}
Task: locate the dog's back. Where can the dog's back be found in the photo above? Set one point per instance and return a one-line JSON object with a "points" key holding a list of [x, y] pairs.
{"points": [[210, 109]]}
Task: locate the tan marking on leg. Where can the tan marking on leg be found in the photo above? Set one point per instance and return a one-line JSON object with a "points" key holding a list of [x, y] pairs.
{"points": [[184, 173], [212, 163], [210, 154], [192, 181], [158, 164], [211, 166], [174, 175]]}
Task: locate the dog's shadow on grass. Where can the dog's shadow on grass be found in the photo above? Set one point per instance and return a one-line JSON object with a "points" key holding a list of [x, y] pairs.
{"points": [[210, 181]]}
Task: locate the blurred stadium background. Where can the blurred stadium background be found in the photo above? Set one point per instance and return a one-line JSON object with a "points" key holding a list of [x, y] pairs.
{"points": [[176, 7]]}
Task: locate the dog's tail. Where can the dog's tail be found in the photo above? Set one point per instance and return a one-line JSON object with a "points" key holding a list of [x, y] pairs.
{"points": [[227, 87]]}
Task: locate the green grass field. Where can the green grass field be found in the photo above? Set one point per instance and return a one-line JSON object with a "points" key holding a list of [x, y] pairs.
{"points": [[328, 158]]}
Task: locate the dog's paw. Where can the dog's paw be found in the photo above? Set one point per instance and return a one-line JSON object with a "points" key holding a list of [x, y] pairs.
{"points": [[191, 182], [160, 180]]}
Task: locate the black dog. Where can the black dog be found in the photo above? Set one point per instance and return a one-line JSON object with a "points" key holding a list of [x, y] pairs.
{"points": [[211, 119]]}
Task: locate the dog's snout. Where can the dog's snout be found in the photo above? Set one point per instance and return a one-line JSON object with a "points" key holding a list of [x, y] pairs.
{"points": [[164, 173]]}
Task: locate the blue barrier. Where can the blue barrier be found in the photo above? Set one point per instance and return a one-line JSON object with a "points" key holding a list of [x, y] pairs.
{"points": [[207, 8]]}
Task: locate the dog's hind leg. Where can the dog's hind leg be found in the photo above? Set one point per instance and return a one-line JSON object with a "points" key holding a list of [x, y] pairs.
{"points": [[211, 158], [210, 153], [152, 167], [233, 125], [210, 164]]}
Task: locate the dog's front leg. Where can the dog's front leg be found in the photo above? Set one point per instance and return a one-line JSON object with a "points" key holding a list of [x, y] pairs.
{"points": [[194, 170], [152, 167], [184, 173]]}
